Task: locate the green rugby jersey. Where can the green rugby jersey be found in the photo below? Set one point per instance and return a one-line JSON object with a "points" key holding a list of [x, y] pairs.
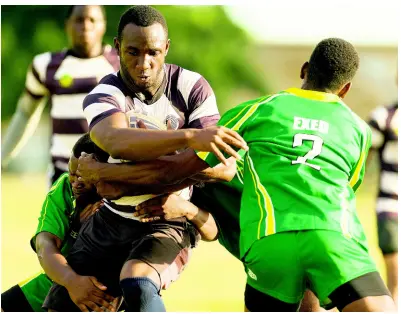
{"points": [[57, 213], [306, 158], [223, 200]]}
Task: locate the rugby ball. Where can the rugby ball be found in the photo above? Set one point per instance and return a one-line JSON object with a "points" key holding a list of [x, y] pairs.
{"points": [[151, 123]]}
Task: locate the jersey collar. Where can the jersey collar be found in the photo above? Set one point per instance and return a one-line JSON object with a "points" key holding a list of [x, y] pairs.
{"points": [[313, 95]]}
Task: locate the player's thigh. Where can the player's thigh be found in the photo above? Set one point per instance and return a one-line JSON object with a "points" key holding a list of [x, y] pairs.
{"points": [[272, 267], [387, 228], [364, 293], [166, 251], [103, 245], [331, 260]]}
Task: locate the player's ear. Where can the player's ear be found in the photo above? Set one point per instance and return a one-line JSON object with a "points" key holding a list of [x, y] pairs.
{"points": [[344, 90], [304, 70], [167, 47], [117, 45]]}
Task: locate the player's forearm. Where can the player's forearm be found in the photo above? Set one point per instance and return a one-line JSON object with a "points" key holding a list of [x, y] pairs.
{"points": [[22, 126], [220, 173], [54, 263], [157, 189], [203, 221], [139, 144]]}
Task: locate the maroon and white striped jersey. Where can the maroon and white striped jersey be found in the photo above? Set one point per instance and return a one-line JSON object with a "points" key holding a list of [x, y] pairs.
{"points": [[66, 80], [384, 124], [185, 98]]}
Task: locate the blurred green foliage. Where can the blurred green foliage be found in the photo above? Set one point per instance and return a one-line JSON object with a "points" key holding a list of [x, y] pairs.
{"points": [[203, 39]]}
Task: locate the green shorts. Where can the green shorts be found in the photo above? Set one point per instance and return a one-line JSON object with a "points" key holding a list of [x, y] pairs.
{"points": [[281, 265], [35, 290]]}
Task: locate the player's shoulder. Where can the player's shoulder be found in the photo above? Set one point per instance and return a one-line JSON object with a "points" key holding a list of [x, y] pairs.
{"points": [[110, 84], [61, 183], [40, 62], [184, 78]]}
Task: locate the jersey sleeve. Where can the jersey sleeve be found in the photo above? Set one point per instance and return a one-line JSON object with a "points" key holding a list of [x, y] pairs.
{"points": [[56, 210], [359, 170], [199, 99], [103, 101], [236, 119], [35, 82], [377, 123]]}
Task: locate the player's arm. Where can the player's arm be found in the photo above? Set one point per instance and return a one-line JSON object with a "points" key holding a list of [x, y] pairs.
{"points": [[27, 115], [85, 291], [173, 206], [167, 170], [377, 124], [358, 171], [113, 136]]}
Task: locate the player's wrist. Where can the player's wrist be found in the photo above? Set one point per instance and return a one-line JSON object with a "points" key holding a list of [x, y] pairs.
{"points": [[189, 136], [191, 211], [69, 278]]}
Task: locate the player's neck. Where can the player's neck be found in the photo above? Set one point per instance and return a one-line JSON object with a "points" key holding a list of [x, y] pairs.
{"points": [[84, 52], [308, 86], [149, 93]]}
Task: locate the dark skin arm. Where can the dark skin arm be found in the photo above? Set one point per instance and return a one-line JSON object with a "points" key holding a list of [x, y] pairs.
{"points": [[113, 135], [173, 206], [166, 170], [85, 291]]}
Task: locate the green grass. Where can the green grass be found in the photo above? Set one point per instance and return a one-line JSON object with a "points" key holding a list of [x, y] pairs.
{"points": [[213, 280]]}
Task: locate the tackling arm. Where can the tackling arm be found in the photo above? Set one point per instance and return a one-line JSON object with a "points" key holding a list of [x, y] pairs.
{"points": [[22, 125]]}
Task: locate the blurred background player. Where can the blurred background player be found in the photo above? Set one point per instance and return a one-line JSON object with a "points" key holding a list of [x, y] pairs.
{"points": [[63, 79], [384, 124]]}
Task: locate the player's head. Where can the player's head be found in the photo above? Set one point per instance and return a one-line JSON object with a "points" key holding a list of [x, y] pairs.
{"points": [[84, 144], [331, 67], [85, 26], [142, 44]]}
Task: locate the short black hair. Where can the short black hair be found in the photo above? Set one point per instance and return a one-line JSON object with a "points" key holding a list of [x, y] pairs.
{"points": [[332, 64], [85, 144], [141, 15], [71, 9]]}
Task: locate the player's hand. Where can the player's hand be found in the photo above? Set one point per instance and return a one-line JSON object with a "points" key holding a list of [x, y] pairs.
{"points": [[88, 168], [217, 138], [163, 207], [89, 294], [109, 191], [89, 210]]}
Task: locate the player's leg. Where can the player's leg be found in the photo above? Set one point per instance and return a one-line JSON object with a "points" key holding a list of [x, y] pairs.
{"points": [[275, 278], [100, 250], [155, 261], [27, 296], [387, 227], [341, 271]]}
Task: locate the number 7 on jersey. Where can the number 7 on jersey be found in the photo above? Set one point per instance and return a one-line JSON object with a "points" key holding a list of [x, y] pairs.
{"points": [[315, 151]]}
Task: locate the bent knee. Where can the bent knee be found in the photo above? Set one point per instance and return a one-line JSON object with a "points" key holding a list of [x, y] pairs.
{"points": [[137, 268]]}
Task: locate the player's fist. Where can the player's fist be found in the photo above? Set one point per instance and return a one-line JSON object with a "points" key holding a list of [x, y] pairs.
{"points": [[88, 168]]}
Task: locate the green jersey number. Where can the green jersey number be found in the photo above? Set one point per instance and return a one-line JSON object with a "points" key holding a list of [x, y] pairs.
{"points": [[315, 151]]}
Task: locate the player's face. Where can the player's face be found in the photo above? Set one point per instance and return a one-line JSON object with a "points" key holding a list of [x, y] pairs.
{"points": [[86, 26], [142, 53], [78, 187]]}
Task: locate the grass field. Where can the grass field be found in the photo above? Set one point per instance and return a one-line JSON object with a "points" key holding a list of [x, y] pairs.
{"points": [[213, 281]]}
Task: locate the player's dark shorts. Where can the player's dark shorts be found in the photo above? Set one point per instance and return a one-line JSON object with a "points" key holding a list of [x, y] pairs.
{"points": [[107, 240], [387, 228], [14, 300]]}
